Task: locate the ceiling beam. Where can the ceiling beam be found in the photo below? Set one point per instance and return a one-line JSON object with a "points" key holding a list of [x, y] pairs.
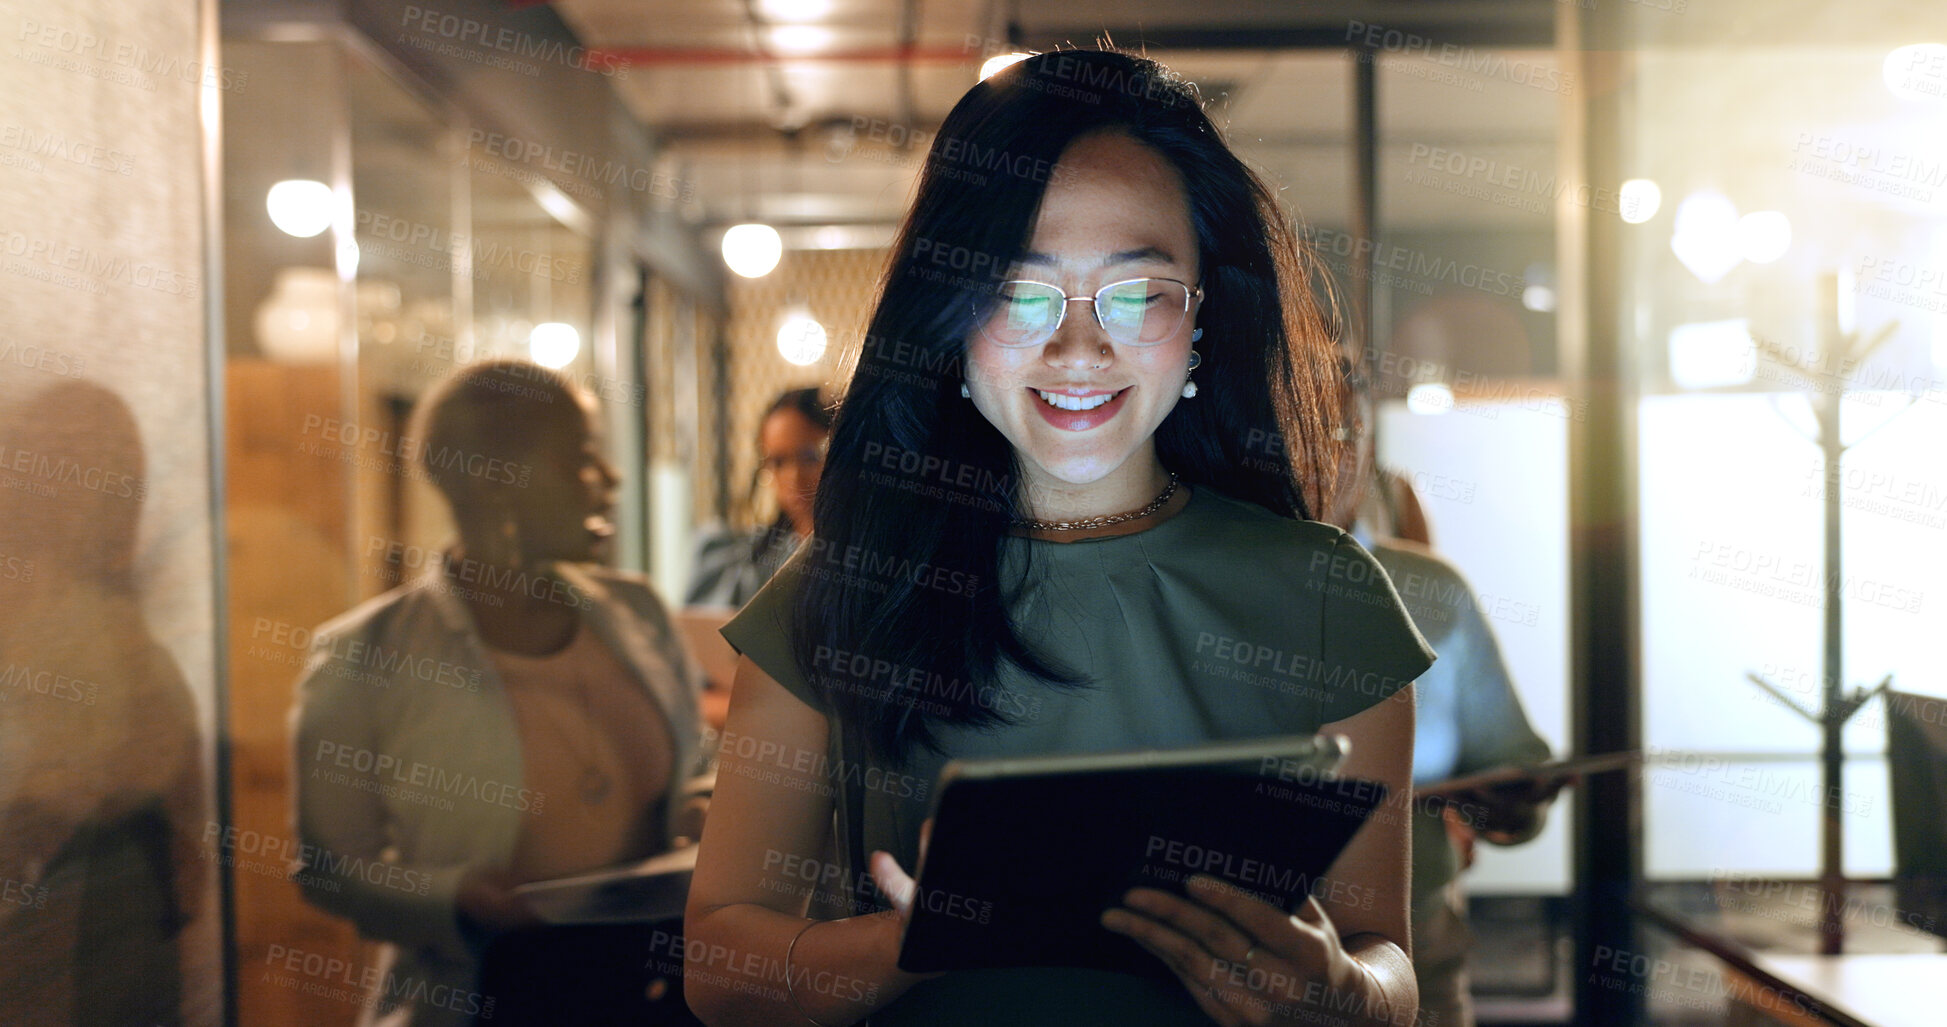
{"points": [[649, 56], [1509, 32]]}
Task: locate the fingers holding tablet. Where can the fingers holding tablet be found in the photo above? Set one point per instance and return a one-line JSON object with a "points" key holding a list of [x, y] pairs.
{"points": [[892, 879], [898, 886], [1243, 960]]}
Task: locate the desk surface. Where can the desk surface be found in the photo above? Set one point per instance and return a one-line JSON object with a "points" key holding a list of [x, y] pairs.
{"points": [[1881, 989]]}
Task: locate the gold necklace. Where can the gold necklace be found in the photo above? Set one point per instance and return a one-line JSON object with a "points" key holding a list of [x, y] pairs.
{"points": [[1103, 522]]}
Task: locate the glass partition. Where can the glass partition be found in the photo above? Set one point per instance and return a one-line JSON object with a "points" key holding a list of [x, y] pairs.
{"points": [[1783, 298], [420, 259], [1781, 304], [1465, 369]]}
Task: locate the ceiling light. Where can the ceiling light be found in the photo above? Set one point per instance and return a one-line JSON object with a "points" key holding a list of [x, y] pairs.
{"points": [[1538, 298], [1916, 72], [1706, 238], [1764, 236], [797, 40], [1429, 398], [1640, 199], [801, 339], [300, 206], [553, 344], [794, 10], [752, 250]]}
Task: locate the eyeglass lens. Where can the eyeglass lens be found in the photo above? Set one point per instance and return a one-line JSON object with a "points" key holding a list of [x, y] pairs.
{"points": [[1141, 311]]}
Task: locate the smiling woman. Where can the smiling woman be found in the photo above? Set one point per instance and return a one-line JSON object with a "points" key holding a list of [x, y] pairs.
{"points": [[1048, 381], [515, 713], [1109, 519]]}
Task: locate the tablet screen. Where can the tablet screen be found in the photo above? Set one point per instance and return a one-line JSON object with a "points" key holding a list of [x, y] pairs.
{"points": [[1026, 854]]}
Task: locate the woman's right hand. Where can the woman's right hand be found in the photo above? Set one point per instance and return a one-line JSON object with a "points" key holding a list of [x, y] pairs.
{"points": [[901, 889], [893, 879]]}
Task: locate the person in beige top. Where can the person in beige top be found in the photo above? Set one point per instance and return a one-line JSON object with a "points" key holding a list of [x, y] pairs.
{"points": [[517, 714]]}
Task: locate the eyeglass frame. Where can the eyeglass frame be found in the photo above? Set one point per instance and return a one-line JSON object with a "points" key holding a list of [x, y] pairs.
{"points": [[805, 456], [1194, 294]]}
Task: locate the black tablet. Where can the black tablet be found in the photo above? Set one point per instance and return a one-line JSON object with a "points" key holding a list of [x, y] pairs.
{"points": [[1025, 854]]}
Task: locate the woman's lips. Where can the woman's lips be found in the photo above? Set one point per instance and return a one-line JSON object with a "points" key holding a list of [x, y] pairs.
{"points": [[1078, 420]]}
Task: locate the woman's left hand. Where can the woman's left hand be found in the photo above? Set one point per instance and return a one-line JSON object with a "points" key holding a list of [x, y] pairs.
{"points": [[1245, 961]]}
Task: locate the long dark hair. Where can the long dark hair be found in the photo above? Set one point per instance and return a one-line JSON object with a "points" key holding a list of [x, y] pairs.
{"points": [[901, 622]]}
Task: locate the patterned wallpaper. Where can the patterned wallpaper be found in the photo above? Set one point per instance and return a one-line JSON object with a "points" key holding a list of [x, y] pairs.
{"points": [[838, 288]]}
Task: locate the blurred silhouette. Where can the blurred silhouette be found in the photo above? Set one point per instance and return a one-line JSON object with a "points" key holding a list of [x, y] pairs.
{"points": [[517, 714], [102, 794], [1467, 719]]}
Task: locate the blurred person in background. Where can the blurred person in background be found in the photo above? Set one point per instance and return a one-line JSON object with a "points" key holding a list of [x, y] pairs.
{"points": [[519, 713], [102, 795], [1468, 720], [730, 565]]}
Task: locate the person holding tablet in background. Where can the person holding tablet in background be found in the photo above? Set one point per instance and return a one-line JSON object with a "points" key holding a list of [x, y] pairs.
{"points": [[1468, 718], [549, 695], [1066, 508]]}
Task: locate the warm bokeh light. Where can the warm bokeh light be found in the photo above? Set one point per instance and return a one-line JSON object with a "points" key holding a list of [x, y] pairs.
{"points": [[1706, 238], [1712, 354], [797, 40], [1764, 235], [298, 322], [801, 339], [794, 10], [752, 250], [1917, 71], [1429, 398], [553, 344], [999, 61], [300, 206], [1640, 199]]}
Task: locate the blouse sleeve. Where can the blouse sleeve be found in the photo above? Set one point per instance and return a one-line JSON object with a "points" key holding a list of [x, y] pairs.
{"points": [[762, 631], [1369, 644]]}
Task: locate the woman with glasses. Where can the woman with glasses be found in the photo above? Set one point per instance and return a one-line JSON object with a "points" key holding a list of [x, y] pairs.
{"points": [[731, 566], [1066, 508]]}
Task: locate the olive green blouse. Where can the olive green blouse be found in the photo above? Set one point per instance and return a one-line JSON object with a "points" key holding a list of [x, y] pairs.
{"points": [[1223, 622]]}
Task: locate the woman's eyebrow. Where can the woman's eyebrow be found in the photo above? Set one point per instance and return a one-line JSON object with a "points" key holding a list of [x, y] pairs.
{"points": [[1119, 257]]}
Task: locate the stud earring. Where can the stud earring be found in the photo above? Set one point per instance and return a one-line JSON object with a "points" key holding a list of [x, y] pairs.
{"points": [[965, 393], [1196, 335]]}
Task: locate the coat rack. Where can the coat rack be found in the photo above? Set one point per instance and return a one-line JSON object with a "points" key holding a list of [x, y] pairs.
{"points": [[1837, 706]]}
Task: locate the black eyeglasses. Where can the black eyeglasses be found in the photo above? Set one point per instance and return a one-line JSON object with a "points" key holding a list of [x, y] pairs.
{"points": [[1135, 312]]}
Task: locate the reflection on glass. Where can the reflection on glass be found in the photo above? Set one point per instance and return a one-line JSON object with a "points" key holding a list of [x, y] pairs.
{"points": [[102, 807]]}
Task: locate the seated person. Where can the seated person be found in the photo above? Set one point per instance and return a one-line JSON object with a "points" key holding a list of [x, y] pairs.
{"points": [[519, 713]]}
